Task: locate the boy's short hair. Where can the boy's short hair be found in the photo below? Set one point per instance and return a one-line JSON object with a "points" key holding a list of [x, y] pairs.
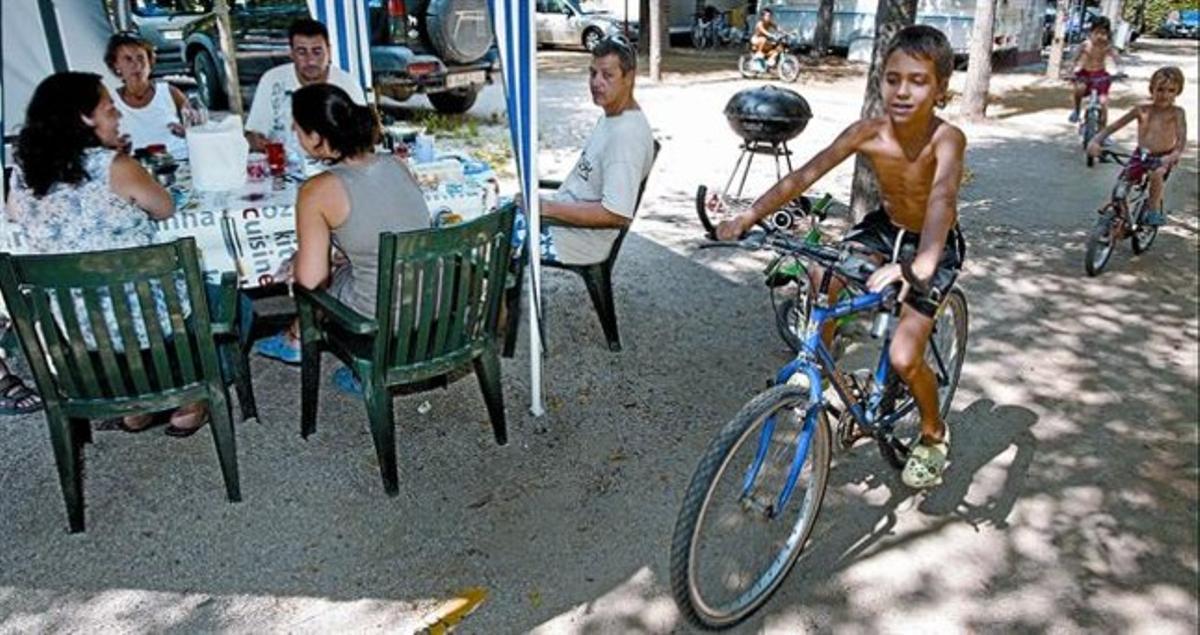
{"points": [[309, 28], [619, 46], [920, 40], [1102, 23], [125, 38], [1167, 74]]}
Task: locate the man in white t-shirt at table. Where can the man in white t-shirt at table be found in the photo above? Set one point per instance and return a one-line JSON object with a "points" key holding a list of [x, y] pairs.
{"points": [[599, 197], [270, 117]]}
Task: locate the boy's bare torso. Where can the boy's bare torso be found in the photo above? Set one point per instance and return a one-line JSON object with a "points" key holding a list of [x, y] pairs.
{"points": [[1158, 128], [1094, 57], [905, 175]]}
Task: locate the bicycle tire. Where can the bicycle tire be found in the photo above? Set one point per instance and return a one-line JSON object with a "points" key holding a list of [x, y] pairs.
{"points": [[1101, 243], [788, 67], [744, 66], [954, 312], [696, 505], [702, 212], [1091, 126], [1145, 234], [790, 315]]}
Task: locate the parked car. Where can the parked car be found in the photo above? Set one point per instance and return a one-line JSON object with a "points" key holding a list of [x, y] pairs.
{"points": [[564, 23], [161, 23], [1187, 25], [444, 49]]}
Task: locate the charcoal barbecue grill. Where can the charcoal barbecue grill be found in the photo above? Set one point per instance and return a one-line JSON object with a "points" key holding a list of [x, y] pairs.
{"points": [[766, 119]]}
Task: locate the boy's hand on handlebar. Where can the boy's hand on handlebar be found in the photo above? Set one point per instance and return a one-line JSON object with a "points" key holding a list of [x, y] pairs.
{"points": [[886, 276], [733, 228]]}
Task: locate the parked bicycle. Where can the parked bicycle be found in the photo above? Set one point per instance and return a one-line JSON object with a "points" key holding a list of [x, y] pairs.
{"points": [[1124, 216], [711, 29], [786, 276], [754, 498]]}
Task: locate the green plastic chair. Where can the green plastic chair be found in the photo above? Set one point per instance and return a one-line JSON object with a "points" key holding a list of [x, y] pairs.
{"points": [[83, 373], [437, 304], [597, 277]]}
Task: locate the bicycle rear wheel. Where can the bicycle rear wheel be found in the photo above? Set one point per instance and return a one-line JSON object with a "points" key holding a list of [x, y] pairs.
{"points": [[1145, 234], [1100, 243], [731, 548], [789, 67], [945, 354]]}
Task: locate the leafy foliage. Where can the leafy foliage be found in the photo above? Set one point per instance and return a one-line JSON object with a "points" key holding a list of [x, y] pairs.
{"points": [[1156, 11]]}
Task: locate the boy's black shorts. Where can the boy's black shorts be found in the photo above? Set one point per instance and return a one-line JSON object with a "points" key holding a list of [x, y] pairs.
{"points": [[877, 233]]}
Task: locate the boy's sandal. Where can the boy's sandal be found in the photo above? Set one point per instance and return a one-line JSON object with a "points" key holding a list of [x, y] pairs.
{"points": [[16, 398], [926, 463]]}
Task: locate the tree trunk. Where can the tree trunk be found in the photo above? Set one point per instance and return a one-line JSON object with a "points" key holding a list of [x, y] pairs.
{"points": [[890, 17], [644, 26], [656, 37], [225, 34], [979, 62], [1057, 46], [1112, 11], [824, 28]]}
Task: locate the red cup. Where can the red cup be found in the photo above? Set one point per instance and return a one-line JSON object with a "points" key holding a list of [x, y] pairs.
{"points": [[276, 158]]}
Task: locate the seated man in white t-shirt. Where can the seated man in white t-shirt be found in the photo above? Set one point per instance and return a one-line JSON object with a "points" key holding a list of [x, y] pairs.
{"points": [[599, 196], [270, 117]]}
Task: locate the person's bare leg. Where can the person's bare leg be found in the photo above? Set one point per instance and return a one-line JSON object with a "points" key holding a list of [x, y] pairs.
{"points": [[1156, 189], [908, 359], [1080, 91]]}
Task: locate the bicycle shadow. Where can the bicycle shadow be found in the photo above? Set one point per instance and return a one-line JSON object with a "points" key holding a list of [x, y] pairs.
{"points": [[864, 497]]}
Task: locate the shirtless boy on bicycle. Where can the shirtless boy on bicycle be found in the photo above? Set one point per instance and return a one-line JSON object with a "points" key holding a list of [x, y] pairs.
{"points": [[918, 159], [1090, 68], [763, 42], [1162, 134]]}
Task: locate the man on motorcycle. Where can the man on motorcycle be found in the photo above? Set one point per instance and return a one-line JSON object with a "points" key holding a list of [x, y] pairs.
{"points": [[766, 41]]}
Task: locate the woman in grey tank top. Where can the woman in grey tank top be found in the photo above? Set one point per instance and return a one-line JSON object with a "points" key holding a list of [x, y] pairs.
{"points": [[361, 196]]}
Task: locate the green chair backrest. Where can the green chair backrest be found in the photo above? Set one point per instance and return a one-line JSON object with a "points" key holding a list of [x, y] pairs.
{"points": [[439, 290], [112, 325]]}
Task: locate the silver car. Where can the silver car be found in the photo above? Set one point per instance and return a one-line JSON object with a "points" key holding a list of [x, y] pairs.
{"points": [[563, 23]]}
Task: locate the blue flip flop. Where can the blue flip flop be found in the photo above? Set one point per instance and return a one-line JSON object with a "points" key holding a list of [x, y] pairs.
{"points": [[277, 348], [346, 383]]}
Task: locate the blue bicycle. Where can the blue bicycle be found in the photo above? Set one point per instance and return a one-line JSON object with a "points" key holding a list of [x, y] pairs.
{"points": [[754, 498]]}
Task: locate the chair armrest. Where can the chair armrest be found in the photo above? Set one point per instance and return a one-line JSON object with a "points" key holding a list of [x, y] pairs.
{"points": [[224, 314], [549, 184], [345, 317]]}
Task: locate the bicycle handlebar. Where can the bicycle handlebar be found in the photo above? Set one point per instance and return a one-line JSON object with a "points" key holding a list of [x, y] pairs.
{"points": [[848, 266]]}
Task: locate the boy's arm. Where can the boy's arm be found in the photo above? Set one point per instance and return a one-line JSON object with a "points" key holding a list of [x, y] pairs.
{"points": [[1094, 147], [1116, 60], [797, 182], [942, 212]]}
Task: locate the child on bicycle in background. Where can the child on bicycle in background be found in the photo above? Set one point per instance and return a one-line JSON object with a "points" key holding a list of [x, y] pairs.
{"points": [[1090, 70], [918, 159], [1162, 134], [764, 41]]}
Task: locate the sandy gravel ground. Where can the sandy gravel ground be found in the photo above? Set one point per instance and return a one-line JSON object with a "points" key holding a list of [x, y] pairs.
{"points": [[1070, 507]]}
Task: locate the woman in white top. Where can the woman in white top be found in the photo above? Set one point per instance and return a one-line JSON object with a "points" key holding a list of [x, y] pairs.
{"points": [[151, 112]]}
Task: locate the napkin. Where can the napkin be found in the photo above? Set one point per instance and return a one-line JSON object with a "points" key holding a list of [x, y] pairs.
{"points": [[217, 152]]}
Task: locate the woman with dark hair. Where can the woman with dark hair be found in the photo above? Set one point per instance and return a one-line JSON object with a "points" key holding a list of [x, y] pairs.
{"points": [[73, 191], [151, 112], [362, 195]]}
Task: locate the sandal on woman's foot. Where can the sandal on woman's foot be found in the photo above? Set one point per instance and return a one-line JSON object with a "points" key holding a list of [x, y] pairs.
{"points": [[187, 420], [16, 398], [926, 463], [346, 383], [280, 347]]}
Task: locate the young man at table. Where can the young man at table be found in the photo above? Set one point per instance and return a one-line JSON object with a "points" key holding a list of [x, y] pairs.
{"points": [[270, 117], [599, 196]]}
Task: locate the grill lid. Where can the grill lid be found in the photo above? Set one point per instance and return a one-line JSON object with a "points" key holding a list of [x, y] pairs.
{"points": [[770, 114]]}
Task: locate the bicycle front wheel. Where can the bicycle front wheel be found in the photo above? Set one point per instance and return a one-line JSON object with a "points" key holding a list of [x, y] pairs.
{"points": [[733, 545], [789, 67], [1145, 234], [1100, 243]]}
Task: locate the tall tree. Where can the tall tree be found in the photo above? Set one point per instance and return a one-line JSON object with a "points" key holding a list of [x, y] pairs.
{"points": [[225, 35], [890, 17], [656, 38], [1054, 65], [644, 26], [979, 61], [824, 30]]}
